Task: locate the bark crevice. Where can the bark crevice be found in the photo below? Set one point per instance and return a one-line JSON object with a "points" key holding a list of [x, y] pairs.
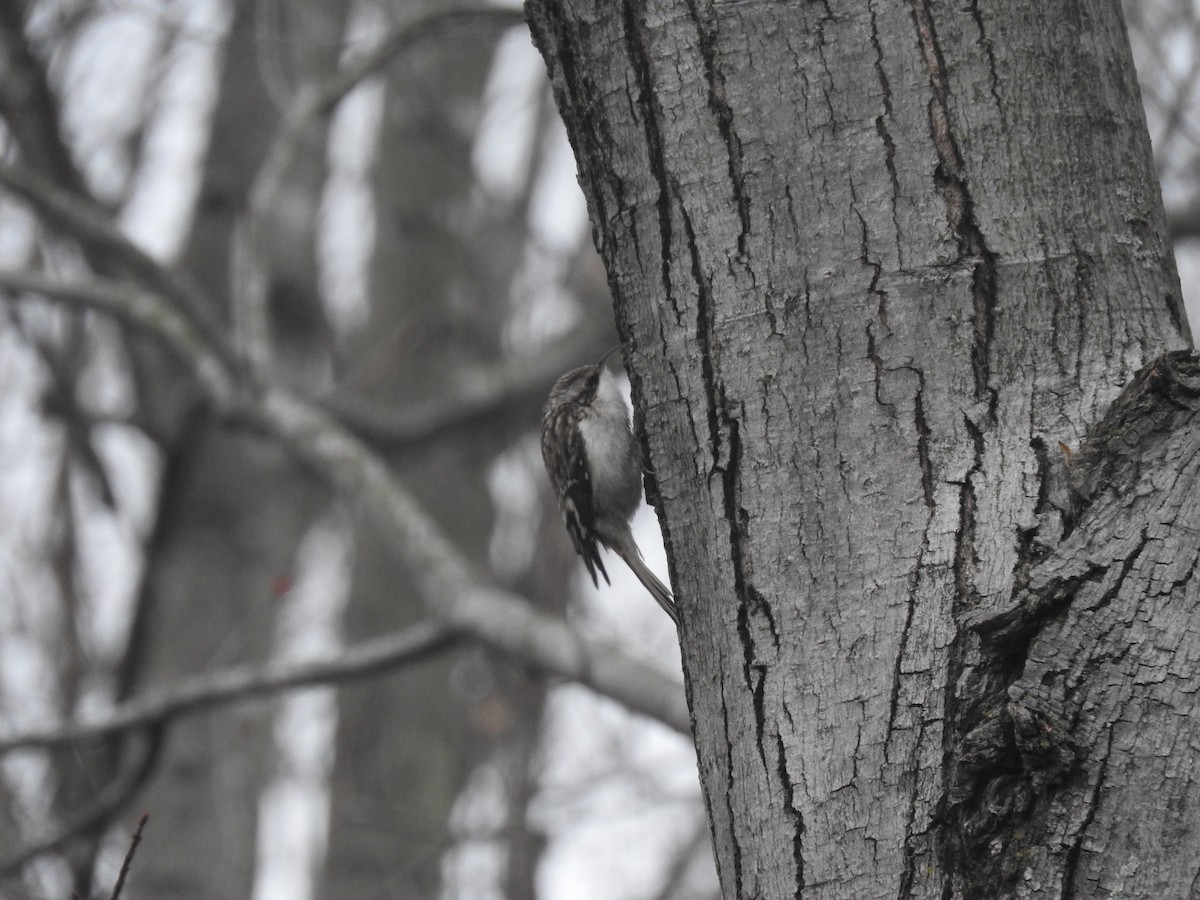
{"points": [[1036, 742], [719, 105], [989, 51], [1071, 864], [636, 46], [885, 135], [789, 800], [951, 178]]}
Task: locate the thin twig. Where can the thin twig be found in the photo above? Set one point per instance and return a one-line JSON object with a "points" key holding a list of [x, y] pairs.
{"points": [[114, 795], [128, 861]]}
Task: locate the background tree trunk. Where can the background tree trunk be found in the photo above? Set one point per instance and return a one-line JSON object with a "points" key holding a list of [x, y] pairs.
{"points": [[232, 510], [395, 810], [447, 369], [872, 263]]}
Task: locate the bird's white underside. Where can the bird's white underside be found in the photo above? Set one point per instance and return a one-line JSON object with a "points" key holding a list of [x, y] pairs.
{"points": [[606, 436]]}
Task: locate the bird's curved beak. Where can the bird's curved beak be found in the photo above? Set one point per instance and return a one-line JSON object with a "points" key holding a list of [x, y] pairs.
{"points": [[604, 358]]}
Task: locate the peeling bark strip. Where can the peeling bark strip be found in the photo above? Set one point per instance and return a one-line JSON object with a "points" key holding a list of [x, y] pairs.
{"points": [[1085, 666]]}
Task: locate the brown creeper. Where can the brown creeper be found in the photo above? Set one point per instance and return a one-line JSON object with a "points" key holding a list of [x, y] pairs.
{"points": [[596, 470]]}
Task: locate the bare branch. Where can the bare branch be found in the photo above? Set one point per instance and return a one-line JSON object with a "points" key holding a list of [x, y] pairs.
{"points": [[404, 35], [486, 397], [111, 251], [114, 795], [141, 309], [500, 621], [29, 107], [240, 683], [453, 592], [311, 102], [512, 626]]}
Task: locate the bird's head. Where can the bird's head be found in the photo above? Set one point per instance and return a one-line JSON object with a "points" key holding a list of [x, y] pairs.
{"points": [[577, 386]]}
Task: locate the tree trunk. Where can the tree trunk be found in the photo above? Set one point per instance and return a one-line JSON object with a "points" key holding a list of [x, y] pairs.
{"points": [[407, 747], [872, 264], [233, 508]]}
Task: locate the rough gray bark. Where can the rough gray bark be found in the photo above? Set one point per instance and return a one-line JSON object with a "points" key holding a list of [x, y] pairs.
{"points": [[872, 263], [1096, 753]]}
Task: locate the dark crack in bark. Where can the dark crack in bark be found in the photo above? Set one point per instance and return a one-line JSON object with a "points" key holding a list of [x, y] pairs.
{"points": [[637, 47], [1071, 868], [723, 113], [989, 51], [789, 799], [951, 178], [876, 267], [889, 145], [922, 426], [724, 437]]}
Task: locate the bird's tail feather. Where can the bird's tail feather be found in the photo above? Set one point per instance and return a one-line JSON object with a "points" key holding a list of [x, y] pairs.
{"points": [[658, 590]]}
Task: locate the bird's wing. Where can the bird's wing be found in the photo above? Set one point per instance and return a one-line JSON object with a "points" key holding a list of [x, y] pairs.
{"points": [[573, 481]]}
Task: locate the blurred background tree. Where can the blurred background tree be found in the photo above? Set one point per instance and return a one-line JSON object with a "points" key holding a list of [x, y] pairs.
{"points": [[373, 204]]}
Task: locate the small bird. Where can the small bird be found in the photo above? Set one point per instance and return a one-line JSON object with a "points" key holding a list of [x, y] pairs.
{"points": [[596, 470]]}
